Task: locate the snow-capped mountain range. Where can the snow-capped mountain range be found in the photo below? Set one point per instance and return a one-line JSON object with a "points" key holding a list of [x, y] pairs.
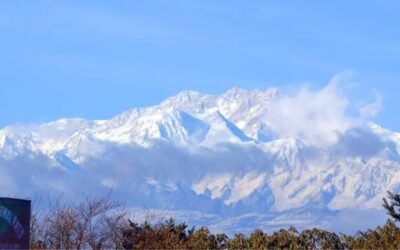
{"points": [[223, 155]]}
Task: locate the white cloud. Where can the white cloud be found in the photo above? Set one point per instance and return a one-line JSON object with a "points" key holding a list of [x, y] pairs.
{"points": [[373, 108], [316, 116]]}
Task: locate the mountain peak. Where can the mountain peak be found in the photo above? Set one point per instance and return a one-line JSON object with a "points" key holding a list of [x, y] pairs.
{"points": [[238, 92], [183, 97], [199, 138]]}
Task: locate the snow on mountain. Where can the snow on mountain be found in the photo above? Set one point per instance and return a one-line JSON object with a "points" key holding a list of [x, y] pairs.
{"points": [[188, 118], [247, 109], [218, 154]]}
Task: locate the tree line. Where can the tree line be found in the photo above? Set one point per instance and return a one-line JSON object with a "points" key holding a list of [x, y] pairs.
{"points": [[100, 223]]}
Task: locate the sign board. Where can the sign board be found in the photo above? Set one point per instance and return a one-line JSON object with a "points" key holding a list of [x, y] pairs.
{"points": [[15, 215]]}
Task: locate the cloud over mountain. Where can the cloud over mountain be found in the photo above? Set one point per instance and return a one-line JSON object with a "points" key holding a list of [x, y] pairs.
{"points": [[241, 152]]}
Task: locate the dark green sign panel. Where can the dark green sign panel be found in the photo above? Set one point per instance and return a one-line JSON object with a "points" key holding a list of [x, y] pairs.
{"points": [[15, 215]]}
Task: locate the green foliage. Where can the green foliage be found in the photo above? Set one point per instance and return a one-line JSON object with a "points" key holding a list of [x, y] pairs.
{"points": [[392, 205], [258, 240], [320, 239], [239, 242], [386, 237], [169, 235]]}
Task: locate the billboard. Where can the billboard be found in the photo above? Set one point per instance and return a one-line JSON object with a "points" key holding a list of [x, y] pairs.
{"points": [[15, 217]]}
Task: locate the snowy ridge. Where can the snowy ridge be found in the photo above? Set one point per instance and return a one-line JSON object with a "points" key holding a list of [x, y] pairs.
{"points": [[215, 154]]}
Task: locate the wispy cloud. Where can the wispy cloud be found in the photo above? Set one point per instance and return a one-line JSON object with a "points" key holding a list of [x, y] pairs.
{"points": [[373, 108], [320, 117], [315, 116]]}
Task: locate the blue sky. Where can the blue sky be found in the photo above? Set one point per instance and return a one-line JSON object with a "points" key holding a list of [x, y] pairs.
{"points": [[94, 59]]}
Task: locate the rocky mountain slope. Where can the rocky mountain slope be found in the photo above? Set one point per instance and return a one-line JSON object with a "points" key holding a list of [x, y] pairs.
{"points": [[223, 155]]}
